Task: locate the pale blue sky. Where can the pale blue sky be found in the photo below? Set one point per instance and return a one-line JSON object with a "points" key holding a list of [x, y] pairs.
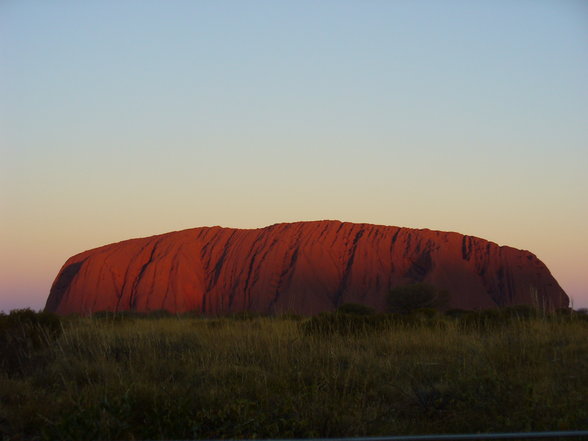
{"points": [[129, 118]]}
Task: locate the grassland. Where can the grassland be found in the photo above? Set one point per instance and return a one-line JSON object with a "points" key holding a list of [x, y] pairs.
{"points": [[243, 377]]}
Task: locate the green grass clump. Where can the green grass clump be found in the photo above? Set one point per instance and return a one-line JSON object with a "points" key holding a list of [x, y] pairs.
{"points": [[341, 374]]}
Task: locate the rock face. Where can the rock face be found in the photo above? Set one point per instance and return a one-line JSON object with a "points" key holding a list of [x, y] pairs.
{"points": [[303, 267]]}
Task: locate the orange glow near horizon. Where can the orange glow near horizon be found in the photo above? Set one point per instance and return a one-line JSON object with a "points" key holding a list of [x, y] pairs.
{"points": [[285, 111]]}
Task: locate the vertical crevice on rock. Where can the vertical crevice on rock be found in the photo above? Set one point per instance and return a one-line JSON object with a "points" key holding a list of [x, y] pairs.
{"points": [[343, 284], [133, 296], [466, 248]]}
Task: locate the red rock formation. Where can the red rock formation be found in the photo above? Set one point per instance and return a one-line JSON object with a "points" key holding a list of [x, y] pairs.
{"points": [[303, 267]]}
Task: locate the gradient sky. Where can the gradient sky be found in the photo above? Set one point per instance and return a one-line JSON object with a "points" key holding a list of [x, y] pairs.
{"points": [[123, 119]]}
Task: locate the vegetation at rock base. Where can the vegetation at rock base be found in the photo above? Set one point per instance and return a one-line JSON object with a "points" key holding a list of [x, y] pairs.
{"points": [[347, 373], [405, 299]]}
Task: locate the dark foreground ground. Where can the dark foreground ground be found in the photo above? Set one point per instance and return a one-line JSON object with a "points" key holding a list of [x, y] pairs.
{"points": [[162, 377]]}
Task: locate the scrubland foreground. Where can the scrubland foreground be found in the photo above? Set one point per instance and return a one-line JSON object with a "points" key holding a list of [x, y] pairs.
{"points": [[345, 374]]}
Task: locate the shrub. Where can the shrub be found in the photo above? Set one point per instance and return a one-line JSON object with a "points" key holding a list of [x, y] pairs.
{"points": [[22, 333], [419, 318], [290, 316], [114, 317], [355, 309], [159, 314], [343, 324], [485, 320], [407, 298], [521, 312], [456, 313]]}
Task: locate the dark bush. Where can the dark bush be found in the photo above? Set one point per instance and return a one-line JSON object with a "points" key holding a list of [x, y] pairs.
{"points": [[24, 333], [407, 298], [192, 314], [520, 312], [158, 314], [290, 316], [344, 324], [481, 320], [456, 313], [114, 317], [422, 317], [355, 309], [243, 316], [485, 320]]}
